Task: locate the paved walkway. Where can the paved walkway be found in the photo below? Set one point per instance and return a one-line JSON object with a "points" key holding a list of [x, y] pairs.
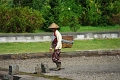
{"points": [[76, 68]]}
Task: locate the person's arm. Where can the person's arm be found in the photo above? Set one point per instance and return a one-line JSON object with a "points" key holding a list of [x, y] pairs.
{"points": [[51, 44], [59, 39]]}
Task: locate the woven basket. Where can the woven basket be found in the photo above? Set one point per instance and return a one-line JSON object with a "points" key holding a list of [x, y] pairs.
{"points": [[67, 45]]}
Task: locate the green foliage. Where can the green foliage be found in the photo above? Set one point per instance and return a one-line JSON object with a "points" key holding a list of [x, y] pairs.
{"points": [[58, 11], [93, 12], [107, 9], [115, 19], [19, 20], [74, 25], [71, 13], [47, 10], [22, 3], [92, 28], [116, 6], [8, 3]]}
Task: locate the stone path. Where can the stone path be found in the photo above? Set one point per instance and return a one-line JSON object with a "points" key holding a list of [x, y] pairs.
{"points": [[90, 68], [76, 68]]}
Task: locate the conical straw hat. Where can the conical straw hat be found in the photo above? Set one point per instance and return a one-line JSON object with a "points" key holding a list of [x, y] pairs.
{"points": [[53, 25]]}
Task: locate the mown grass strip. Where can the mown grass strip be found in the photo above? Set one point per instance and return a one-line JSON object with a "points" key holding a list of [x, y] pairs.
{"points": [[36, 47], [86, 29], [45, 76], [92, 28]]}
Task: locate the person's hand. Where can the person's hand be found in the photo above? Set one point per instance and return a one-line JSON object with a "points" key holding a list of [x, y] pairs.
{"points": [[50, 50]]}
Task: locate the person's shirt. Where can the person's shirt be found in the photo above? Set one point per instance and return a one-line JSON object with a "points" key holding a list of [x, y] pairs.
{"points": [[57, 40]]}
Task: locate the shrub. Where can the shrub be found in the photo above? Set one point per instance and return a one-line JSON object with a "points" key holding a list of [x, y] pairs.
{"points": [[19, 20], [115, 19]]}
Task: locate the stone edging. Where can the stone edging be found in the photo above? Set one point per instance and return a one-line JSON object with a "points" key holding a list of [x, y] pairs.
{"points": [[41, 37], [63, 54]]}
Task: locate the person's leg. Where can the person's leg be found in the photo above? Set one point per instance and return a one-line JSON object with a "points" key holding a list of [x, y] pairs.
{"points": [[56, 59]]}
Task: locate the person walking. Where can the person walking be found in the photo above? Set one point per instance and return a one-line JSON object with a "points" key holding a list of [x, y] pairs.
{"points": [[56, 45]]}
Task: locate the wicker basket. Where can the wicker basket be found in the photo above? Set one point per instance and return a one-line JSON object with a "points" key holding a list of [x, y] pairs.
{"points": [[67, 38]]}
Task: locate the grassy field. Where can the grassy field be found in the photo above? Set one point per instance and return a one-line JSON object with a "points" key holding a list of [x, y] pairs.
{"points": [[87, 29], [78, 45], [91, 28], [33, 47]]}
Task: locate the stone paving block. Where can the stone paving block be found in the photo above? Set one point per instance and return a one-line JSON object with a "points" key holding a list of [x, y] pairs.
{"points": [[98, 36], [104, 52], [116, 52], [89, 35], [13, 69], [7, 77], [38, 69], [80, 37], [45, 68]]}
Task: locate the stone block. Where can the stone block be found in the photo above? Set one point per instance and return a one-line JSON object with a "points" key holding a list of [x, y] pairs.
{"points": [[46, 38], [3, 39], [107, 35], [116, 52], [7, 77], [11, 39], [42, 68], [13, 69], [114, 35], [45, 68], [89, 36], [104, 52], [38, 69], [21, 38], [98, 36], [80, 37], [38, 38]]}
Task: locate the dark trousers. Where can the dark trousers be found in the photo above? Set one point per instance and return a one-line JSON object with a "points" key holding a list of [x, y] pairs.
{"points": [[56, 56]]}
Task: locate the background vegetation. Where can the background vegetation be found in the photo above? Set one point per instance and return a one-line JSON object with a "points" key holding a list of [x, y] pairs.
{"points": [[31, 15]]}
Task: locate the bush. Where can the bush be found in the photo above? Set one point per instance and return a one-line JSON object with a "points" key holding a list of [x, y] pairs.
{"points": [[19, 20], [115, 19]]}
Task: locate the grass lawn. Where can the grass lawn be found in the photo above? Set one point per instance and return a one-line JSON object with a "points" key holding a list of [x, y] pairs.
{"points": [[32, 47], [87, 29], [91, 28]]}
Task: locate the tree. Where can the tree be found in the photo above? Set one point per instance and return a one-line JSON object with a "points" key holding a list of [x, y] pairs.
{"points": [[8, 3], [107, 9], [19, 20], [44, 6], [93, 13], [23, 3], [70, 14]]}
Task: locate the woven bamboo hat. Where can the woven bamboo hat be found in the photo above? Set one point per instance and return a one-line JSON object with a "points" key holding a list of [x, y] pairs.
{"points": [[53, 25]]}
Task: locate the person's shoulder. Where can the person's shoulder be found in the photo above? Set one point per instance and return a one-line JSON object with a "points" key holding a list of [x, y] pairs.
{"points": [[57, 31]]}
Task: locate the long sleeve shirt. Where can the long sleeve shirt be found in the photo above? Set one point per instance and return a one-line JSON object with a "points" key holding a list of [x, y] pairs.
{"points": [[57, 35]]}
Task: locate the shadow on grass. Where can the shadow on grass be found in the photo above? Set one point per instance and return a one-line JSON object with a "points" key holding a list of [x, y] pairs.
{"points": [[44, 76]]}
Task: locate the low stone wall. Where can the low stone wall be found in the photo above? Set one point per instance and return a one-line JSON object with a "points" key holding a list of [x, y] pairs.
{"points": [[86, 53], [39, 37]]}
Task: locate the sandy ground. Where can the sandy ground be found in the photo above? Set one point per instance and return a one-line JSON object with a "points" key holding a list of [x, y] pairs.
{"points": [[76, 68]]}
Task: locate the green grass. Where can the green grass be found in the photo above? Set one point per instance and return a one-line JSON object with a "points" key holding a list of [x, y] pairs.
{"points": [[45, 76], [87, 29], [91, 28], [35, 47], [95, 44], [22, 47]]}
